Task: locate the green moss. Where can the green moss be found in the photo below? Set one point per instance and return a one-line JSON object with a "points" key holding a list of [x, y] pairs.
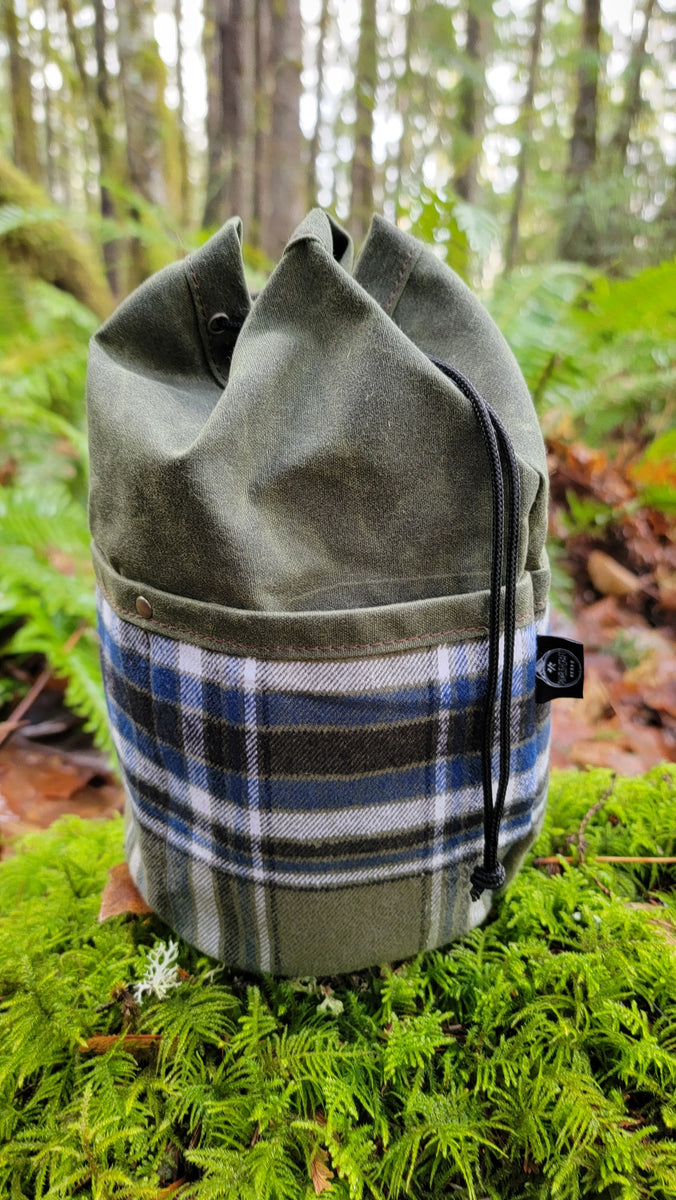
{"points": [[40, 243], [537, 1058]]}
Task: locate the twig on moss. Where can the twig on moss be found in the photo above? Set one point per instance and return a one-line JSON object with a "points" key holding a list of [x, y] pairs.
{"points": [[579, 838], [550, 860]]}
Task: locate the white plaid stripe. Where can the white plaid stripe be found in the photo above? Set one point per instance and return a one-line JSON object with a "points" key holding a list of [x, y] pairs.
{"points": [[443, 668], [258, 872], [336, 823], [441, 798], [471, 847]]}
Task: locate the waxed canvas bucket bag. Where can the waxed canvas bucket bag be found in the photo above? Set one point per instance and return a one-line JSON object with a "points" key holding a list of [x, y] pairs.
{"points": [[318, 520]]}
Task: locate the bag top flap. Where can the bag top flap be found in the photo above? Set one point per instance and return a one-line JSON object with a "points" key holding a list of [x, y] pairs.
{"points": [[300, 452]]}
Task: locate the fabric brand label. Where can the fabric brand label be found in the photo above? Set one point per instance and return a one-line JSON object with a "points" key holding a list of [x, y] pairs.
{"points": [[559, 669]]}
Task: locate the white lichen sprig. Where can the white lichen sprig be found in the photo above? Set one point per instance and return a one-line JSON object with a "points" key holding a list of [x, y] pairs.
{"points": [[161, 973]]}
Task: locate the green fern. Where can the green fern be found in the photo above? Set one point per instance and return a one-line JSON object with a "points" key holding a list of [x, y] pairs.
{"points": [[594, 350], [535, 1059]]}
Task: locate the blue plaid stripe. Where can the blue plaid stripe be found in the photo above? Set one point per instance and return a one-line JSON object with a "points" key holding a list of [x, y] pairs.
{"points": [[308, 775]]}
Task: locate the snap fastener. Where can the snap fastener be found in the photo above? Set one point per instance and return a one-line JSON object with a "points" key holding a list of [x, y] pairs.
{"points": [[219, 323], [143, 607]]}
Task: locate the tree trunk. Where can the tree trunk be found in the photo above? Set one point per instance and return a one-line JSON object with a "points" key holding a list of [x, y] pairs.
{"points": [[103, 128], [577, 238], [49, 138], [583, 142], [526, 128], [470, 114], [261, 116], [366, 82], [229, 31], [403, 107], [632, 88], [283, 200], [313, 183], [183, 160], [25, 142], [143, 79]]}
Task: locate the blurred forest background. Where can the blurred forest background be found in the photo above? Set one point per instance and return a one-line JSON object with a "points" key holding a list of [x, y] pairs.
{"points": [[533, 143]]}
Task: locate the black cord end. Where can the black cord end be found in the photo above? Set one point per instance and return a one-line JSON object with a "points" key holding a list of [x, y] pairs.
{"points": [[481, 878]]}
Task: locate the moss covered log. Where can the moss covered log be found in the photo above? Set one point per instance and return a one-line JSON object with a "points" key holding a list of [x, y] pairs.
{"points": [[537, 1058], [45, 246]]}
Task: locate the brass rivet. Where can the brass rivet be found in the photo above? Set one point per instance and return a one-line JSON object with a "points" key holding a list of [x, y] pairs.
{"points": [[143, 608]]}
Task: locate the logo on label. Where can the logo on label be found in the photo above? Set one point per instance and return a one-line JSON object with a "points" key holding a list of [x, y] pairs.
{"points": [[559, 668]]}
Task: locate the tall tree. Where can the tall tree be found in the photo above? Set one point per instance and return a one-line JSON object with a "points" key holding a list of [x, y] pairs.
{"points": [[261, 113], [103, 119], [577, 239], [183, 159], [366, 83], [143, 80], [229, 33], [631, 102], [284, 195], [313, 183], [50, 173], [403, 103], [526, 123], [25, 140], [470, 108]]}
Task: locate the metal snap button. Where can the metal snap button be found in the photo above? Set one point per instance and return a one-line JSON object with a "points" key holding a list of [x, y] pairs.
{"points": [[144, 608], [219, 323]]}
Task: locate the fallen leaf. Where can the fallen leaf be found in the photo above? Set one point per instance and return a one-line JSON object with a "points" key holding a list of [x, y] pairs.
{"points": [[171, 1187], [137, 1043], [39, 783], [666, 587], [121, 895], [321, 1173], [604, 752], [60, 561], [609, 577]]}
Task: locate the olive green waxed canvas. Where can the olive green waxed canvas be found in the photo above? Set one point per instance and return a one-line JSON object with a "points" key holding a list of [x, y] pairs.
{"points": [[292, 519]]}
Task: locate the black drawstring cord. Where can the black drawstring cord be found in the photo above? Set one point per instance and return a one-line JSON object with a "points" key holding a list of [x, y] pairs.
{"points": [[491, 874]]}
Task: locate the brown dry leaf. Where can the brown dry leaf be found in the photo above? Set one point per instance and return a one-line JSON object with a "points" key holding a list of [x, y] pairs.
{"points": [[596, 702], [42, 772], [321, 1173], [40, 783], [654, 681], [656, 916], [136, 1043], [60, 561], [121, 895], [591, 470], [171, 1187], [607, 752], [666, 586], [609, 577]]}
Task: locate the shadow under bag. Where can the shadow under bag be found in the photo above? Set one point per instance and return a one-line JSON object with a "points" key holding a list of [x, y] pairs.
{"points": [[318, 521]]}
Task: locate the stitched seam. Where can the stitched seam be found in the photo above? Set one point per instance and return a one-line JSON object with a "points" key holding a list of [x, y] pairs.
{"points": [[199, 294], [130, 612], [396, 286], [215, 369]]}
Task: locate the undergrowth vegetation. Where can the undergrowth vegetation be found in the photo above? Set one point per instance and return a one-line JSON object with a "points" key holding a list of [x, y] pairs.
{"points": [[536, 1058]]}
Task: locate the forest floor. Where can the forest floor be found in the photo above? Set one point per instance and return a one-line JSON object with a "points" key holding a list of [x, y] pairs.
{"points": [[614, 589]]}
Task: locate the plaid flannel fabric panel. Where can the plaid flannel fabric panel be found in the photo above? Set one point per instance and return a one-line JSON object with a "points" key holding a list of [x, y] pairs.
{"points": [[314, 817]]}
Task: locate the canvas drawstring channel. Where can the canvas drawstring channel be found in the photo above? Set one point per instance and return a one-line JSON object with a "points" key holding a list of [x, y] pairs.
{"points": [[491, 873]]}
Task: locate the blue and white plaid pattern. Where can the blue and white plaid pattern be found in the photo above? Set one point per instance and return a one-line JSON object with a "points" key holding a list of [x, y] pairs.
{"points": [[308, 777]]}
